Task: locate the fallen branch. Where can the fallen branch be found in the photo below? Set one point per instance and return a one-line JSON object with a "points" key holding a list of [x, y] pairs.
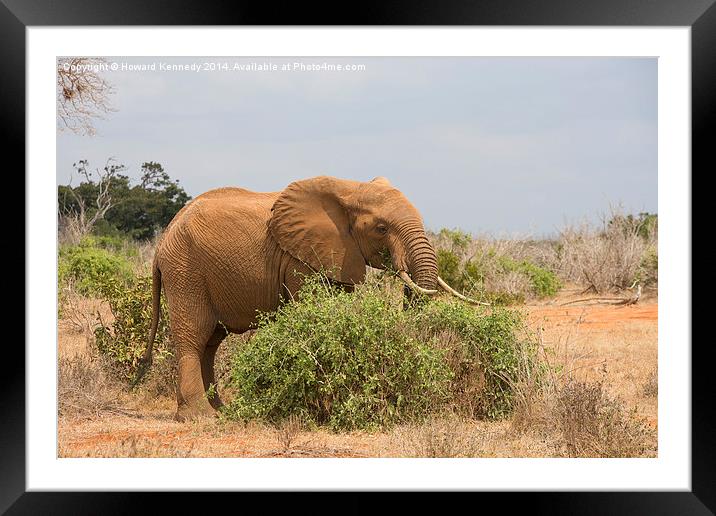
{"points": [[618, 300]]}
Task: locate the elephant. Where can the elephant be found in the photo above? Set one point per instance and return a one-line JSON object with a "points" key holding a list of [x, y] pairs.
{"points": [[231, 253]]}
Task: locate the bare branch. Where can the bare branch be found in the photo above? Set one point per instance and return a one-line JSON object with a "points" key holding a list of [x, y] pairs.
{"points": [[103, 200], [82, 94]]}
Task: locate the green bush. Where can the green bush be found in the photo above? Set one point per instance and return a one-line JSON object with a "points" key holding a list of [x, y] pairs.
{"points": [[469, 275], [359, 361], [459, 240], [89, 267], [450, 269], [124, 340], [502, 298], [333, 358], [492, 346], [114, 243], [460, 274], [544, 282], [648, 273]]}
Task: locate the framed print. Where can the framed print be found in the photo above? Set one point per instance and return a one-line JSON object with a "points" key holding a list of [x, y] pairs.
{"points": [[414, 251]]}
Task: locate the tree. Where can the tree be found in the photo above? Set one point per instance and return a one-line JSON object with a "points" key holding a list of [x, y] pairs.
{"points": [[84, 206], [136, 210], [150, 205], [82, 94]]}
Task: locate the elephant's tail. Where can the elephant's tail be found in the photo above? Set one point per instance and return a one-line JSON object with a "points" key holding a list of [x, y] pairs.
{"points": [[146, 361]]}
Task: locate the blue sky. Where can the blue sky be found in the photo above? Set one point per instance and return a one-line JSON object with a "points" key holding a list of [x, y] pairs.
{"points": [[505, 146]]}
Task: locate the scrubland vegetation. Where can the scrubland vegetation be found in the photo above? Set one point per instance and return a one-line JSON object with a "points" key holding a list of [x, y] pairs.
{"points": [[427, 378], [614, 256]]}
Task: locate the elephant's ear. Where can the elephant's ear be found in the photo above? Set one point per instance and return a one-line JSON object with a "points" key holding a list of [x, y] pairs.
{"points": [[381, 181], [310, 221]]}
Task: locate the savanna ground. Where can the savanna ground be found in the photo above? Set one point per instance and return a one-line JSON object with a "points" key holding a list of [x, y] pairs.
{"points": [[604, 402]]}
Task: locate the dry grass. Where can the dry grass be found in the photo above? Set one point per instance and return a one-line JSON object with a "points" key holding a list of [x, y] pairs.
{"points": [[85, 385], [582, 419], [77, 311], [650, 388], [144, 255], [595, 424], [70, 229], [447, 437], [84, 388], [595, 402], [136, 446]]}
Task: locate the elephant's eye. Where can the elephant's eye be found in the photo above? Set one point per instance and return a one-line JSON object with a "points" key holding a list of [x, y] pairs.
{"points": [[382, 229]]}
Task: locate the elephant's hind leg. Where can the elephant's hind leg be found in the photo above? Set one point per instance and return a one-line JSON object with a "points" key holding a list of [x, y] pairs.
{"points": [[190, 343], [207, 364]]}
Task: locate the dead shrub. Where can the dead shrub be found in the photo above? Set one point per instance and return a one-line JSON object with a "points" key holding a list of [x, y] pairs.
{"points": [[439, 437], [287, 431], [614, 256], [580, 418], [84, 389], [78, 311], [592, 423]]}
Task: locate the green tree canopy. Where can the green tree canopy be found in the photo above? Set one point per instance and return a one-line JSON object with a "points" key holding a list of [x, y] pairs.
{"points": [[137, 210]]}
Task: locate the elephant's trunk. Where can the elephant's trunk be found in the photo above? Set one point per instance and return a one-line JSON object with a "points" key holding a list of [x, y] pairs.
{"points": [[422, 266], [420, 258]]}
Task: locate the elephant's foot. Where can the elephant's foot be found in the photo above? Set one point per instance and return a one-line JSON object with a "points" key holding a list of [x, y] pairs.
{"points": [[216, 402], [190, 411]]}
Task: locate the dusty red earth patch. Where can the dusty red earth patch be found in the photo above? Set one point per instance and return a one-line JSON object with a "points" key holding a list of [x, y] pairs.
{"points": [[594, 316]]}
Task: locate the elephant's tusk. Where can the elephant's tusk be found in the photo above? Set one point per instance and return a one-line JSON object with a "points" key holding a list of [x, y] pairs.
{"points": [[457, 294], [404, 276]]}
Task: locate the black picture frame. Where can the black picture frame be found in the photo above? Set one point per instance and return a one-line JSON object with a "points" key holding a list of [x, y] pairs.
{"points": [[17, 15]]}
